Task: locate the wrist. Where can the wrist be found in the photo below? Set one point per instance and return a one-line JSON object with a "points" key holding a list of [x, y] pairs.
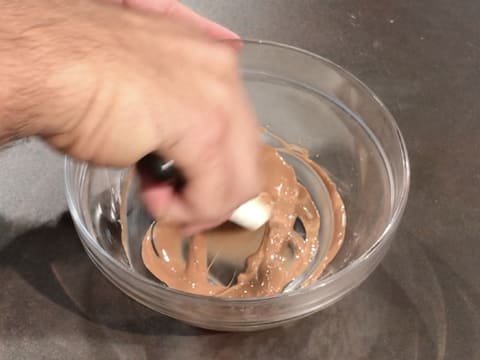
{"points": [[45, 64], [16, 93]]}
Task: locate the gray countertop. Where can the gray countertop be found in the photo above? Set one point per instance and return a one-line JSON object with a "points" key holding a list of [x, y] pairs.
{"points": [[422, 58]]}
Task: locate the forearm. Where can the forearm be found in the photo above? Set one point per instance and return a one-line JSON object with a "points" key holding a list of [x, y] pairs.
{"points": [[39, 50], [18, 81]]}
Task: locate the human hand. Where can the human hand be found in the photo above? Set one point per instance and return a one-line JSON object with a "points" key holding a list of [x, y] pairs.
{"points": [[157, 196], [119, 84]]}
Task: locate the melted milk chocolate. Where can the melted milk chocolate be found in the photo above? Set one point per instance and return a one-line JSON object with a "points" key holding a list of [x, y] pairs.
{"points": [[275, 254]]}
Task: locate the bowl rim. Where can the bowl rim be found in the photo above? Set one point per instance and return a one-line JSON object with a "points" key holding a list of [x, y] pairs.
{"points": [[395, 217]]}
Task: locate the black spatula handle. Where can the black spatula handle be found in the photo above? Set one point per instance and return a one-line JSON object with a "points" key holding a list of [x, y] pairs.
{"points": [[158, 169]]}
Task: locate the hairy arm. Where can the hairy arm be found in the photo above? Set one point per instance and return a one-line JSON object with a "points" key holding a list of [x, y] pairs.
{"points": [[20, 75], [35, 48]]}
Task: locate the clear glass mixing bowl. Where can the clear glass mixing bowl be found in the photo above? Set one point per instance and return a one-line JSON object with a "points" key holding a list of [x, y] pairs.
{"points": [[306, 100]]}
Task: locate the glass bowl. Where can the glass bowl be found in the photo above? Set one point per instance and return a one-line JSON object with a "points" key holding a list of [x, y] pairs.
{"points": [[306, 100]]}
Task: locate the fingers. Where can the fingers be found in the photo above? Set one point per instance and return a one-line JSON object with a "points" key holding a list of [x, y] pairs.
{"points": [[177, 10], [211, 28], [203, 156], [217, 150], [196, 228], [156, 197]]}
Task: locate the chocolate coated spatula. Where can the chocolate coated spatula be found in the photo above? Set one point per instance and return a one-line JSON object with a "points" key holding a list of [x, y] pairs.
{"points": [[226, 257], [251, 215]]}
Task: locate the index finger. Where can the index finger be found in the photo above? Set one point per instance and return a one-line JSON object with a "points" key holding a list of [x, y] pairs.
{"points": [[182, 12]]}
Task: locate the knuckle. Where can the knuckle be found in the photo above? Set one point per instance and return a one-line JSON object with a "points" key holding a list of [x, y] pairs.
{"points": [[221, 111], [213, 135], [225, 60], [226, 57]]}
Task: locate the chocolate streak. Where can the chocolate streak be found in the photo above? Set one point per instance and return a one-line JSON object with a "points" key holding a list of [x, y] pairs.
{"points": [[278, 253]]}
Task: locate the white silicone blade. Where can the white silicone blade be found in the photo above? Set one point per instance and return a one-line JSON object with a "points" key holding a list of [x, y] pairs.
{"points": [[253, 214]]}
